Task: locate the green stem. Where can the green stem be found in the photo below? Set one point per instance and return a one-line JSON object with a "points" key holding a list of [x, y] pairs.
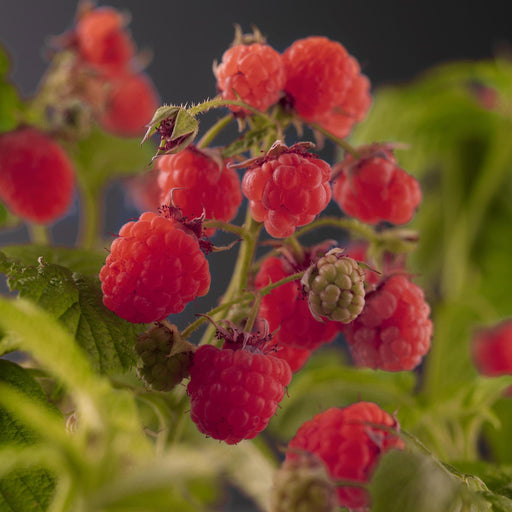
{"points": [[340, 142], [254, 313], [39, 234], [353, 225], [208, 137], [225, 226], [217, 102], [90, 219]]}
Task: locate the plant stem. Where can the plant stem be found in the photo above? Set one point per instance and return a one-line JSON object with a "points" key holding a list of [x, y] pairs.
{"points": [[90, 218], [38, 234], [225, 226], [346, 223], [212, 132], [217, 102], [340, 142]]}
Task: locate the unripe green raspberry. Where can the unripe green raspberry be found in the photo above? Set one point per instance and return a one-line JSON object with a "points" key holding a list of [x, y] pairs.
{"points": [[164, 356], [303, 485], [335, 287]]}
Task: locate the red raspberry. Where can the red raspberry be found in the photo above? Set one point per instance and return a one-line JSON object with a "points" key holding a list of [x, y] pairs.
{"points": [[350, 442], [318, 75], [287, 188], [196, 183], [102, 40], [393, 331], [37, 179], [295, 357], [352, 108], [392, 263], [234, 393], [254, 72], [374, 188], [130, 106], [492, 349], [287, 311], [154, 269]]}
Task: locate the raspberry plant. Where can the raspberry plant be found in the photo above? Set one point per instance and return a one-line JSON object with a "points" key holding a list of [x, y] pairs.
{"points": [[316, 352]]}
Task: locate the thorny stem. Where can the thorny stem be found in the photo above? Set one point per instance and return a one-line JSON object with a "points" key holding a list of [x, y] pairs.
{"points": [[340, 142], [217, 102], [254, 313], [212, 132]]}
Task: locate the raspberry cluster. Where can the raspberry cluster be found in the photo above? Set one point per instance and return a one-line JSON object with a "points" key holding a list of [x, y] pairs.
{"points": [[393, 331], [350, 442], [287, 188], [155, 267], [373, 188], [235, 391], [97, 72], [37, 178], [199, 184]]}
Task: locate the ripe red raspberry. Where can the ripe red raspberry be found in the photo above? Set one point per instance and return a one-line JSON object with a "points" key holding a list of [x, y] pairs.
{"points": [[37, 178], [350, 442], [130, 105], [234, 391], [295, 357], [318, 75], [154, 269], [492, 349], [197, 183], [102, 40], [287, 188], [287, 311], [393, 331], [254, 72], [352, 108], [374, 188]]}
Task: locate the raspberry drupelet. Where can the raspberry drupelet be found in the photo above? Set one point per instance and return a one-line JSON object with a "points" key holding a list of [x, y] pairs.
{"points": [[350, 441], [37, 178], [198, 183], [253, 73], [234, 391], [393, 331], [287, 188], [155, 267], [373, 188]]}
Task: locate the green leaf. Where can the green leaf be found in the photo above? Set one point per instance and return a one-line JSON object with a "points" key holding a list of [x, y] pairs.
{"points": [[76, 300], [24, 488], [102, 157], [411, 482], [85, 261], [249, 139]]}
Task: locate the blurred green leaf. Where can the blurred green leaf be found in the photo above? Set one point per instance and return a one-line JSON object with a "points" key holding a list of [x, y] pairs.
{"points": [[76, 300], [102, 157], [85, 261], [23, 488]]}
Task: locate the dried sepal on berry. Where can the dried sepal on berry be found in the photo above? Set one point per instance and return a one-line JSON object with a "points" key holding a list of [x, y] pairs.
{"points": [[164, 356], [335, 287], [303, 484]]}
